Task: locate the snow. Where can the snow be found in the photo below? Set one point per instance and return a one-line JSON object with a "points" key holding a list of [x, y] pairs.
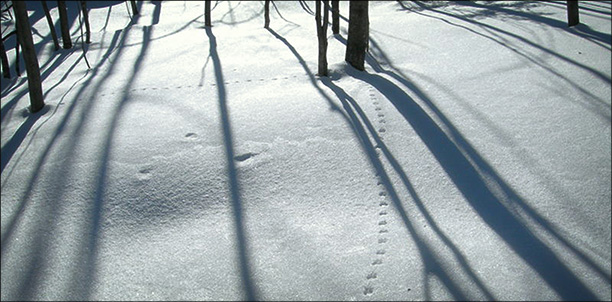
{"points": [[470, 161]]}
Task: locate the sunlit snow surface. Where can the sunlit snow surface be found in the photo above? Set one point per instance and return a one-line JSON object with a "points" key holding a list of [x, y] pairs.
{"points": [[470, 161]]}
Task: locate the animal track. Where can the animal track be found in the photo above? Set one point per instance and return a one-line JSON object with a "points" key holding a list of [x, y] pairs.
{"points": [[202, 84], [144, 173], [245, 156], [383, 229]]}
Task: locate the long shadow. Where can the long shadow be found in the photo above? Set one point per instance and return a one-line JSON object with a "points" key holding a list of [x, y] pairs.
{"points": [[194, 20], [232, 16], [433, 264], [59, 59], [457, 159], [36, 8], [596, 73], [232, 173], [83, 275], [506, 192], [596, 105], [9, 148], [40, 125], [117, 42], [64, 77], [10, 85], [59, 130], [472, 185], [88, 251], [311, 76], [591, 8], [376, 54], [530, 164], [356, 118], [32, 277], [47, 149], [585, 31], [468, 172], [53, 63]]}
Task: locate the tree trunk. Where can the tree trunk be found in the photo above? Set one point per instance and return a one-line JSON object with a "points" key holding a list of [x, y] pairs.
{"points": [[207, 22], [322, 36], [134, 7], [61, 7], [24, 36], [86, 19], [267, 14], [17, 53], [335, 4], [572, 13], [51, 26], [5, 64], [358, 34]]}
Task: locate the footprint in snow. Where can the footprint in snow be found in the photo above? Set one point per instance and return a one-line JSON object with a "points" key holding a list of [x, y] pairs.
{"points": [[191, 135], [245, 156], [144, 173]]}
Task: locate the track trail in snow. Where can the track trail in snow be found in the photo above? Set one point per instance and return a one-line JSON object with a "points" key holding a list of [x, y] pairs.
{"points": [[258, 80], [382, 215]]}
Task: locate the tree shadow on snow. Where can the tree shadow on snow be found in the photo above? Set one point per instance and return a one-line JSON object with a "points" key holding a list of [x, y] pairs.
{"points": [[468, 171], [58, 57], [470, 180], [9, 148], [491, 198], [507, 193], [434, 265], [518, 45], [249, 288], [89, 241], [582, 30], [47, 218], [361, 126]]}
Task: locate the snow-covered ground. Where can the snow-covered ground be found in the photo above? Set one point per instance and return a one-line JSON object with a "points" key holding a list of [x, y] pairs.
{"points": [[470, 161]]}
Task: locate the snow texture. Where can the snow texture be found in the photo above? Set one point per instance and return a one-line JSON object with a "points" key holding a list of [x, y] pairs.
{"points": [[470, 161]]}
